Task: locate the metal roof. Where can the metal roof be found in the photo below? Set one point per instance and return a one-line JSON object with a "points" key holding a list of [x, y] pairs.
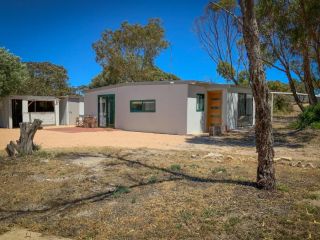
{"points": [[33, 98], [190, 82]]}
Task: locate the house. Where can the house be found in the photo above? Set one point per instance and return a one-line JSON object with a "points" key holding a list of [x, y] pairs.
{"points": [[16, 109], [174, 107], [70, 107]]}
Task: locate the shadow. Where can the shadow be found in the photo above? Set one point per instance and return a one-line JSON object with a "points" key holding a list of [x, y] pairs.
{"points": [[174, 176], [282, 138], [60, 206], [186, 176]]}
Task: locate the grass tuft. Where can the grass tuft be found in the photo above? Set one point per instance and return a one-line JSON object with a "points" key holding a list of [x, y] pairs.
{"points": [[282, 187], [231, 223], [175, 167], [120, 190], [313, 196], [219, 170], [152, 179]]}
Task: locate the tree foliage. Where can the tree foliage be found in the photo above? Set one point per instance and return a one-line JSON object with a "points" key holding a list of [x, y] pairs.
{"points": [[13, 73], [290, 33], [221, 37], [128, 54], [46, 79]]}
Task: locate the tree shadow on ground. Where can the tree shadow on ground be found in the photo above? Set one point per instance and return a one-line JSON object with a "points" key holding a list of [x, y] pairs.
{"points": [[58, 206], [246, 138]]}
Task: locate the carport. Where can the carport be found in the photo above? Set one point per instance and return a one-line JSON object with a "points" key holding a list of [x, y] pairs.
{"points": [[16, 109]]}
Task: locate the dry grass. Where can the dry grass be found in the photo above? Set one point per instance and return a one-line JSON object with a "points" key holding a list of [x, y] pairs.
{"points": [[121, 193], [153, 194]]}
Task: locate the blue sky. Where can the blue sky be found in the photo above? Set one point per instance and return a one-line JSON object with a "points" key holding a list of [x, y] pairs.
{"points": [[62, 32]]}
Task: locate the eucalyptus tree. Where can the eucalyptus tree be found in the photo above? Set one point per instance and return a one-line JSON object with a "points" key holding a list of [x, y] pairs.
{"points": [[46, 79], [290, 31], [247, 22], [273, 19], [221, 37], [128, 54], [13, 73]]}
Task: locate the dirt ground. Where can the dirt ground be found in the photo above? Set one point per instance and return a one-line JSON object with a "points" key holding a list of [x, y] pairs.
{"points": [[202, 189], [287, 142], [66, 137]]}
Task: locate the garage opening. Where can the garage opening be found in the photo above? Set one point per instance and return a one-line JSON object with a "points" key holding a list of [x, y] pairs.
{"points": [[16, 112]]}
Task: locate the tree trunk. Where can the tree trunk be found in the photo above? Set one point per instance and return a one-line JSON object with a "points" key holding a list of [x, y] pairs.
{"points": [[25, 143], [294, 90], [263, 129], [307, 77]]}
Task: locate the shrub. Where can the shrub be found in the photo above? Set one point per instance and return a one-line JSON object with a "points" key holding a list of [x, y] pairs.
{"points": [[175, 167], [282, 104], [310, 117], [152, 179], [282, 187], [120, 190]]}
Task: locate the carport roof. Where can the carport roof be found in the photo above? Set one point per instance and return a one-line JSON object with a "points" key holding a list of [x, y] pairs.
{"points": [[33, 98]]}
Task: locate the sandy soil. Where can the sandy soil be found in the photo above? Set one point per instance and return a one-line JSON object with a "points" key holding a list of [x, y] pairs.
{"points": [[49, 138], [22, 234], [299, 145]]}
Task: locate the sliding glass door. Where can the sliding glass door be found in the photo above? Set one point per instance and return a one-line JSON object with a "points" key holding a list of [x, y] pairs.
{"points": [[106, 110], [245, 110]]}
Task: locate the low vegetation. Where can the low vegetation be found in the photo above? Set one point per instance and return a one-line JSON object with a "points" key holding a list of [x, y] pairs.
{"points": [[147, 194], [309, 118]]}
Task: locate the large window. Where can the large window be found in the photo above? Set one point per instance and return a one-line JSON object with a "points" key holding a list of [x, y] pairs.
{"points": [[200, 102], [142, 105], [40, 106]]}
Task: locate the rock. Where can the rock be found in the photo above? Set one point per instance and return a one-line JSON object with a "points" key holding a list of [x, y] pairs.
{"points": [[193, 156], [309, 165], [289, 159], [229, 157], [213, 155], [292, 164]]}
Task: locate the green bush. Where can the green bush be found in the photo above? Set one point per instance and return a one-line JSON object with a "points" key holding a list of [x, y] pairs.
{"points": [[282, 104], [175, 167], [310, 117]]}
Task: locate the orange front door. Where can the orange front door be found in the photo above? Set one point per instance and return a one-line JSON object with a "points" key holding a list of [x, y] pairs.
{"points": [[214, 109]]}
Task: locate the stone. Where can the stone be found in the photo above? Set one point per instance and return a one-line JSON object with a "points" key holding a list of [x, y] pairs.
{"points": [[229, 157], [309, 165], [213, 155], [289, 159], [292, 164]]}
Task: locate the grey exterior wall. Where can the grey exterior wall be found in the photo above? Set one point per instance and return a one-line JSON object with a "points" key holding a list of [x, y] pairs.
{"points": [[70, 108], [73, 107], [175, 107], [171, 107], [63, 111], [196, 121], [4, 112]]}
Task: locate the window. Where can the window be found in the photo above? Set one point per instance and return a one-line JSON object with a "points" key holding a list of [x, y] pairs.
{"points": [[143, 106], [40, 106], [200, 102]]}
